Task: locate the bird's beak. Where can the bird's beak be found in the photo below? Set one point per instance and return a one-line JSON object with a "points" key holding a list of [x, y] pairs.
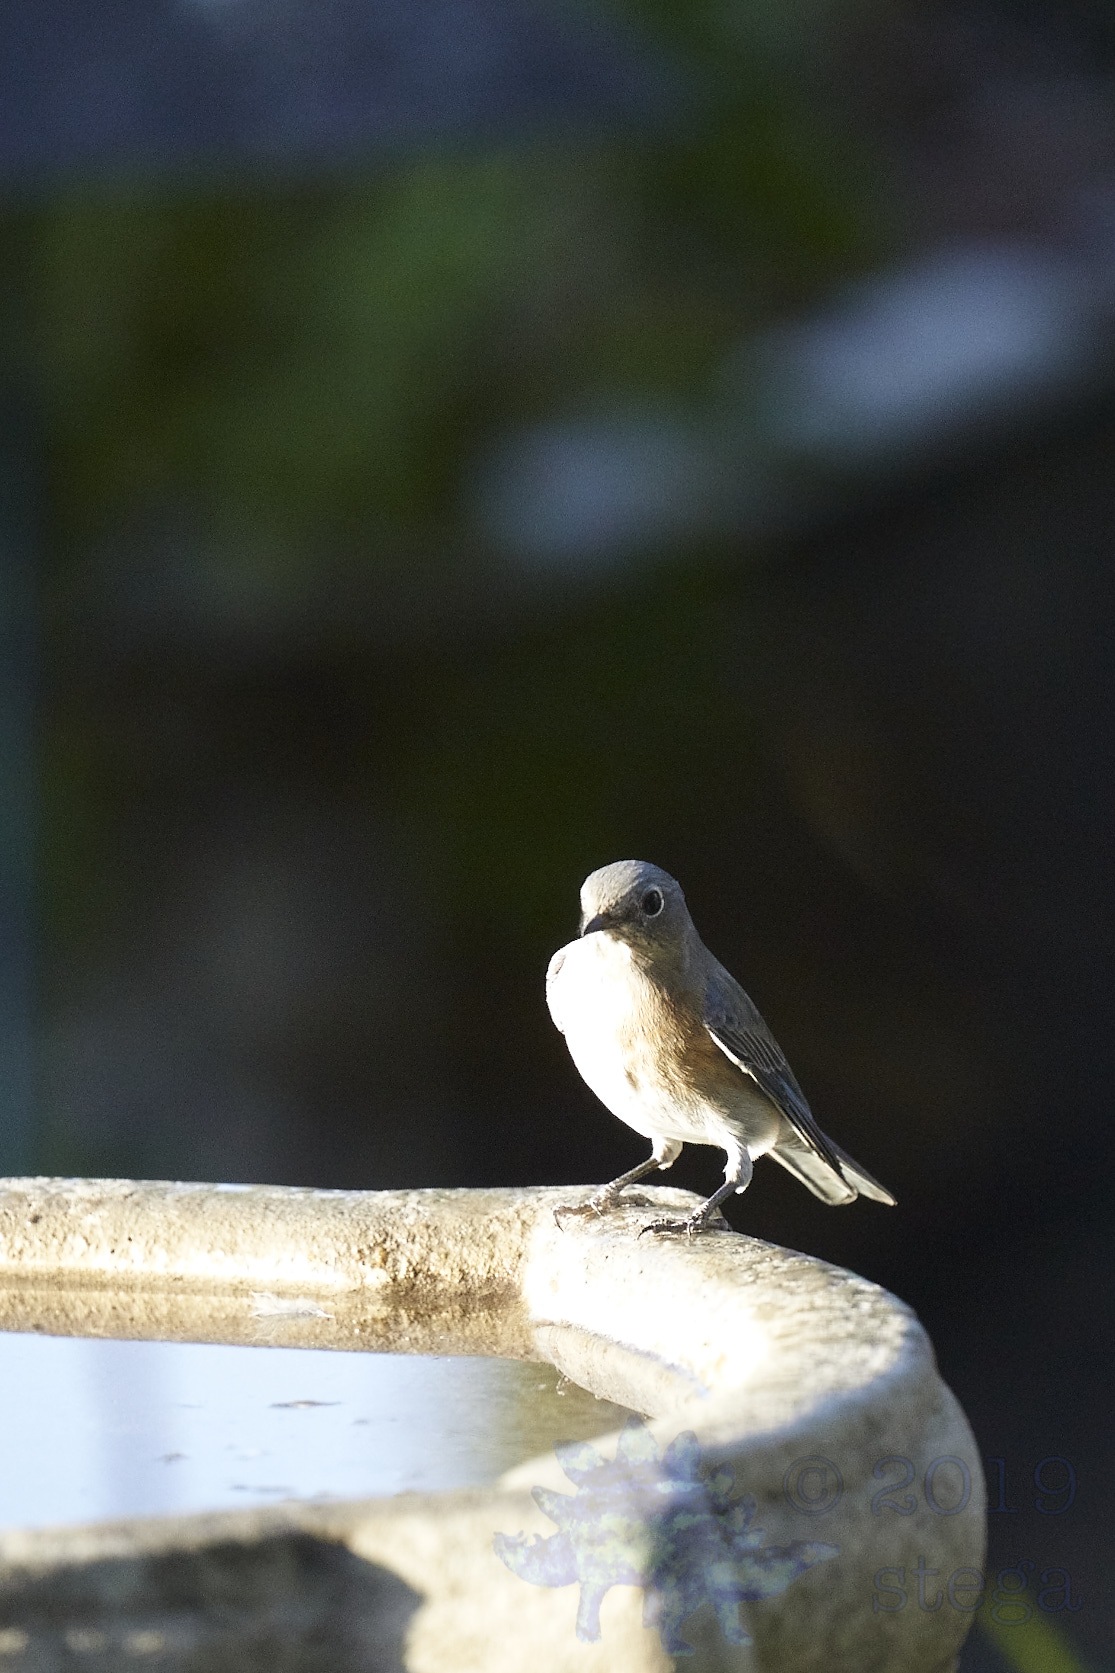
{"points": [[590, 924]]}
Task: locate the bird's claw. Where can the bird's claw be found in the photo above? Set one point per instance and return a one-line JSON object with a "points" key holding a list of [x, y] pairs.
{"points": [[581, 1210], [698, 1222], [598, 1205]]}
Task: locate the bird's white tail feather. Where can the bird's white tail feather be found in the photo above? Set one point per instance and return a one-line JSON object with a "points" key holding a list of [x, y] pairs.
{"points": [[812, 1170]]}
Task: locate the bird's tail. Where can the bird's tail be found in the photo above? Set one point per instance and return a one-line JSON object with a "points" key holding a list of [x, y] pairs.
{"points": [[823, 1180]]}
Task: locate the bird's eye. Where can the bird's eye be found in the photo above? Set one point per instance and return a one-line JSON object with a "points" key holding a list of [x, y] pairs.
{"points": [[652, 903]]}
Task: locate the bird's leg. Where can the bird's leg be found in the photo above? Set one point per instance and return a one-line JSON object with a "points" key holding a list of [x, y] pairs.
{"points": [[664, 1155], [737, 1177]]}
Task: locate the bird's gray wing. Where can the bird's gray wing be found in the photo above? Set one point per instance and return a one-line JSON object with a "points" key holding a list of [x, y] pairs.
{"points": [[740, 1032], [753, 1050]]}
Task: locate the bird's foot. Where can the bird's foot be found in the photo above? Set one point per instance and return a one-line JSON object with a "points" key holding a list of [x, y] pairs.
{"points": [[597, 1205], [702, 1220]]}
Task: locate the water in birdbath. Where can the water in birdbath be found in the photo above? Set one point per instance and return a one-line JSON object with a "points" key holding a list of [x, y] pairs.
{"points": [[93, 1429]]}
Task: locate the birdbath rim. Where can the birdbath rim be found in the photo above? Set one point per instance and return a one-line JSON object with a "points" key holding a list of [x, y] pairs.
{"points": [[803, 1379]]}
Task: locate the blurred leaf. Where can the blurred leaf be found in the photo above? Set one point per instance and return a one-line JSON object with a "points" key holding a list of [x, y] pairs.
{"points": [[1033, 1646]]}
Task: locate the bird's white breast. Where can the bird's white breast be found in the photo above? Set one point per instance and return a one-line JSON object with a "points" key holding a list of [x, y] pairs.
{"points": [[596, 994]]}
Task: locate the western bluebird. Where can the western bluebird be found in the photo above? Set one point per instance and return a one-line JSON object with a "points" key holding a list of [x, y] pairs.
{"points": [[669, 1041]]}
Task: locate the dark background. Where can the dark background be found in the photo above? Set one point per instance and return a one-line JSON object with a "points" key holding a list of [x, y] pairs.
{"points": [[685, 434]]}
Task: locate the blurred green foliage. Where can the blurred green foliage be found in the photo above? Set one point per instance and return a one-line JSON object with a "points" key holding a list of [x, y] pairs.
{"points": [[314, 362], [1034, 1646], [299, 376]]}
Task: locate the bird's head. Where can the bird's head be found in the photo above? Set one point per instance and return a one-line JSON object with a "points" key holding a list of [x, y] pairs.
{"points": [[635, 901]]}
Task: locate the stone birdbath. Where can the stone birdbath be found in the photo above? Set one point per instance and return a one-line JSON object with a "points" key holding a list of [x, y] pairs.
{"points": [[787, 1484]]}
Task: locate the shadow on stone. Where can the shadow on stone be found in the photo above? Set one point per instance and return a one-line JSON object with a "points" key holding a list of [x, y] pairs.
{"points": [[289, 1604]]}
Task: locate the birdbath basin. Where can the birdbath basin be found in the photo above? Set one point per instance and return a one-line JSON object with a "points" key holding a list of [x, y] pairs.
{"points": [[99, 1430], [326, 1427]]}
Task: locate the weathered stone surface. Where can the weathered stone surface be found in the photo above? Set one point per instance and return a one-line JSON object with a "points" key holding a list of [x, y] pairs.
{"points": [[817, 1390]]}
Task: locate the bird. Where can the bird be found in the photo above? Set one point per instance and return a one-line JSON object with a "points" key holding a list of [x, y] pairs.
{"points": [[673, 1046]]}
